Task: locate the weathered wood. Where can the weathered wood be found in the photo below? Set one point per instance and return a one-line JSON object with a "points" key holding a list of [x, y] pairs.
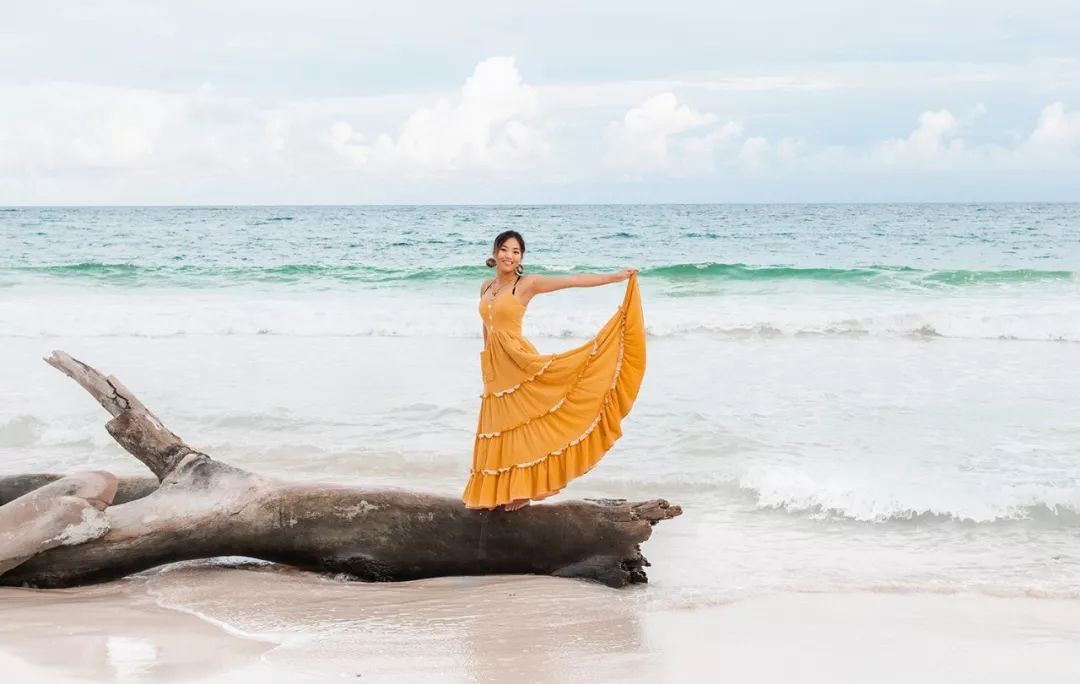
{"points": [[204, 508], [133, 425], [376, 535], [64, 512], [128, 488]]}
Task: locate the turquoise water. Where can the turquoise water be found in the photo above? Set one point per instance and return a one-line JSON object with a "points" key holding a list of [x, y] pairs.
{"points": [[315, 242], [128, 275]]}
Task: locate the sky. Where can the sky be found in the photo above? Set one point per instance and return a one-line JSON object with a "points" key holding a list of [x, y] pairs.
{"points": [[335, 102]]}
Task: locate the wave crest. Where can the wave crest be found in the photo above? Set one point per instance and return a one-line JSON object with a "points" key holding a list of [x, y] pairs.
{"points": [[193, 276], [881, 501]]}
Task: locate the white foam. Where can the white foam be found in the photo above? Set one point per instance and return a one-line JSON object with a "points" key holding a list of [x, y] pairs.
{"points": [[882, 497], [1043, 312], [20, 431]]}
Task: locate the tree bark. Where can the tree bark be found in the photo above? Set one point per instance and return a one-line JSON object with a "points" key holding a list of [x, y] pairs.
{"points": [[66, 511], [128, 488], [201, 508]]}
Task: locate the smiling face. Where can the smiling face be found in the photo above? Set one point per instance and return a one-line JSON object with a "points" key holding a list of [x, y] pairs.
{"points": [[508, 255]]}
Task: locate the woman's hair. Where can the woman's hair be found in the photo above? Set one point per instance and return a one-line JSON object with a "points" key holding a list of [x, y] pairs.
{"points": [[501, 239]]}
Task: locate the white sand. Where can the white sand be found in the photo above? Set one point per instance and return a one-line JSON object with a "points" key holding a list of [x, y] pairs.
{"points": [[110, 633], [302, 628], [873, 638]]}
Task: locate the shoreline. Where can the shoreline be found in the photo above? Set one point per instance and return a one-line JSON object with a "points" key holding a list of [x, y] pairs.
{"points": [[530, 629]]}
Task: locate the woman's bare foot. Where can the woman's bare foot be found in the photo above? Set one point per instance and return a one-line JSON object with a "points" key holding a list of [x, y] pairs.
{"points": [[516, 504]]}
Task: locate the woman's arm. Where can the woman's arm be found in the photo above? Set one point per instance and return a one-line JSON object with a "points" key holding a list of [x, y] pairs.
{"points": [[539, 284]]}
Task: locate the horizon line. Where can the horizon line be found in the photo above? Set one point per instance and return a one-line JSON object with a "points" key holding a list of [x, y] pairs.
{"points": [[530, 204]]}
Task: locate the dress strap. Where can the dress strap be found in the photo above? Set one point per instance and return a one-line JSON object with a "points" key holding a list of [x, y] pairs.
{"points": [[514, 289]]}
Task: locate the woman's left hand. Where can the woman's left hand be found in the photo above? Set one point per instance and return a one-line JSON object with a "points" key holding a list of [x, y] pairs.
{"points": [[626, 273]]}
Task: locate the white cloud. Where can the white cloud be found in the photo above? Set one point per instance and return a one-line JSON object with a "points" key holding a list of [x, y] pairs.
{"points": [[348, 143], [1053, 143], [934, 142], [487, 126], [70, 128], [758, 154], [119, 145], [649, 138], [662, 136], [1057, 127]]}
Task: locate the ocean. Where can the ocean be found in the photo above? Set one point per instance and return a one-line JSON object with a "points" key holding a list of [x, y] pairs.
{"points": [[878, 398]]}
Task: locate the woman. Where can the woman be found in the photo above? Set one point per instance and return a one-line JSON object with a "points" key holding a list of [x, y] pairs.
{"points": [[547, 418]]}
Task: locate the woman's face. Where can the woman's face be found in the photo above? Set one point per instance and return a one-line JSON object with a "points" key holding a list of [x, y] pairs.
{"points": [[508, 255]]}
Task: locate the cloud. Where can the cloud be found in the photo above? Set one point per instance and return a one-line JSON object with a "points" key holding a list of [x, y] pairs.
{"points": [[75, 142], [59, 129], [1053, 143], [650, 138], [933, 143], [487, 126], [759, 154], [71, 129], [1057, 129], [661, 136]]}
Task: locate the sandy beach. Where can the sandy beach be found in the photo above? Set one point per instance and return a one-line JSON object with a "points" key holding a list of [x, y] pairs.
{"points": [[267, 625]]}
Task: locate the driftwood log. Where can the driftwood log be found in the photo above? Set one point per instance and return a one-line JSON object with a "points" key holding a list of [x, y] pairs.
{"points": [[59, 531]]}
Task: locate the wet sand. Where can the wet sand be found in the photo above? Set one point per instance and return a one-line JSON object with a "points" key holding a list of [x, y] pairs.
{"points": [[198, 624], [112, 633]]}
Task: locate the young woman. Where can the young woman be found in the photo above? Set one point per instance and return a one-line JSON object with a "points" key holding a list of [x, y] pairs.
{"points": [[547, 418]]}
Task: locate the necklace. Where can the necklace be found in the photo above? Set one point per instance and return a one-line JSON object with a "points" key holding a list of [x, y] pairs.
{"points": [[496, 290]]}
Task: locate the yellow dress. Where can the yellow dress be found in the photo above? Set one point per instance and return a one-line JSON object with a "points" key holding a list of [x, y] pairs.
{"points": [[546, 419]]}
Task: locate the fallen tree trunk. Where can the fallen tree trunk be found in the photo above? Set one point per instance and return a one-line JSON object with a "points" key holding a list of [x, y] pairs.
{"points": [[204, 508], [64, 512], [127, 488]]}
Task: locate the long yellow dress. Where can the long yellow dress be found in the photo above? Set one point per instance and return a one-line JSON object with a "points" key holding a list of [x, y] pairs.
{"points": [[546, 419]]}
